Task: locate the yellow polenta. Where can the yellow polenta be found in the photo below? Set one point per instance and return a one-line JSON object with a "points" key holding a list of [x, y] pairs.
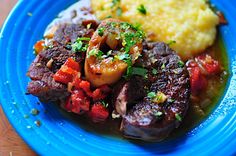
{"points": [[191, 23]]}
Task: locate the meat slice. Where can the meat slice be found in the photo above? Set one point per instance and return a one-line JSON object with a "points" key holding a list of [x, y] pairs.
{"points": [[41, 74], [50, 60], [68, 33], [152, 121], [127, 93]]}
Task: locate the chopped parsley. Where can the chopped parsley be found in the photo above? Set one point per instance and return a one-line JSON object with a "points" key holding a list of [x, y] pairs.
{"points": [[79, 45], [158, 114], [101, 31], [119, 11], [29, 14], [123, 56], [151, 95], [142, 9], [154, 71], [94, 52], [158, 97], [181, 64], [163, 66], [115, 2], [178, 117], [34, 111], [171, 42], [104, 104], [139, 71]]}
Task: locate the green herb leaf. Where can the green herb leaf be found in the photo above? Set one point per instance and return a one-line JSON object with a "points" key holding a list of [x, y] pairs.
{"points": [[154, 71], [104, 104], [151, 95], [101, 31], [158, 114], [79, 45], [181, 64], [115, 2], [139, 71], [171, 42], [142, 9], [163, 66], [178, 117], [119, 11], [94, 52], [82, 39], [34, 111]]}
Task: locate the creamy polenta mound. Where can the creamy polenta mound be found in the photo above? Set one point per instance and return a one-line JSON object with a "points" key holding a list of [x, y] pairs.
{"points": [[190, 23]]}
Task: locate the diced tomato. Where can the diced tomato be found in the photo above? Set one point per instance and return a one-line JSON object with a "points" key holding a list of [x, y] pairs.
{"points": [[98, 113], [62, 77], [71, 63], [76, 82], [67, 72], [78, 102], [101, 92], [85, 85], [210, 65], [197, 80], [39, 46]]}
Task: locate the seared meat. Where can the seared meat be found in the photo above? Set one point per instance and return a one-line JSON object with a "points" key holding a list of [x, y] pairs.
{"points": [[43, 84], [127, 93], [48, 61], [68, 33], [148, 120]]}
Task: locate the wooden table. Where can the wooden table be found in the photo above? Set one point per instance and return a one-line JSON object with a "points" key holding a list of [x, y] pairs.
{"points": [[10, 142]]}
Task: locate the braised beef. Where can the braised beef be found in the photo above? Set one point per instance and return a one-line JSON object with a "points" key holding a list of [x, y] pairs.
{"points": [[43, 85], [127, 93], [148, 120]]}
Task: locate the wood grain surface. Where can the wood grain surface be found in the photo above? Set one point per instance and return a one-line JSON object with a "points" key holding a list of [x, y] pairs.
{"points": [[10, 142]]}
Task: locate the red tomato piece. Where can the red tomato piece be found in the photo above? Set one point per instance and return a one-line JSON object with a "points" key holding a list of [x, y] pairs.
{"points": [[71, 63], [80, 103], [39, 46], [197, 80], [210, 65], [62, 77], [98, 113]]}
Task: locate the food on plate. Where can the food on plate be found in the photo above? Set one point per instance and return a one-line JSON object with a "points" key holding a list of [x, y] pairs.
{"points": [[115, 77], [105, 62], [191, 24]]}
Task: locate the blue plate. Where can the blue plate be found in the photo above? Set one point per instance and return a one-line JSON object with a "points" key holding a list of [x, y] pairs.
{"points": [[59, 135]]}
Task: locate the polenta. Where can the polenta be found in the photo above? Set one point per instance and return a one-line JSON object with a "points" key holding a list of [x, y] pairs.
{"points": [[190, 23]]}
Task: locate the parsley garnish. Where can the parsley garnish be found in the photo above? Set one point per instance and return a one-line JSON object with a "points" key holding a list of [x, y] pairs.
{"points": [[94, 52], [171, 42], [158, 114], [101, 31], [104, 104], [154, 71], [79, 45], [115, 2], [181, 64], [34, 111], [119, 11], [163, 66], [151, 95], [142, 9], [178, 117], [139, 71]]}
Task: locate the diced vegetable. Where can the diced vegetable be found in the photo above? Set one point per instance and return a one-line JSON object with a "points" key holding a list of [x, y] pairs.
{"points": [[39, 46], [67, 72], [78, 102], [98, 112], [210, 65]]}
